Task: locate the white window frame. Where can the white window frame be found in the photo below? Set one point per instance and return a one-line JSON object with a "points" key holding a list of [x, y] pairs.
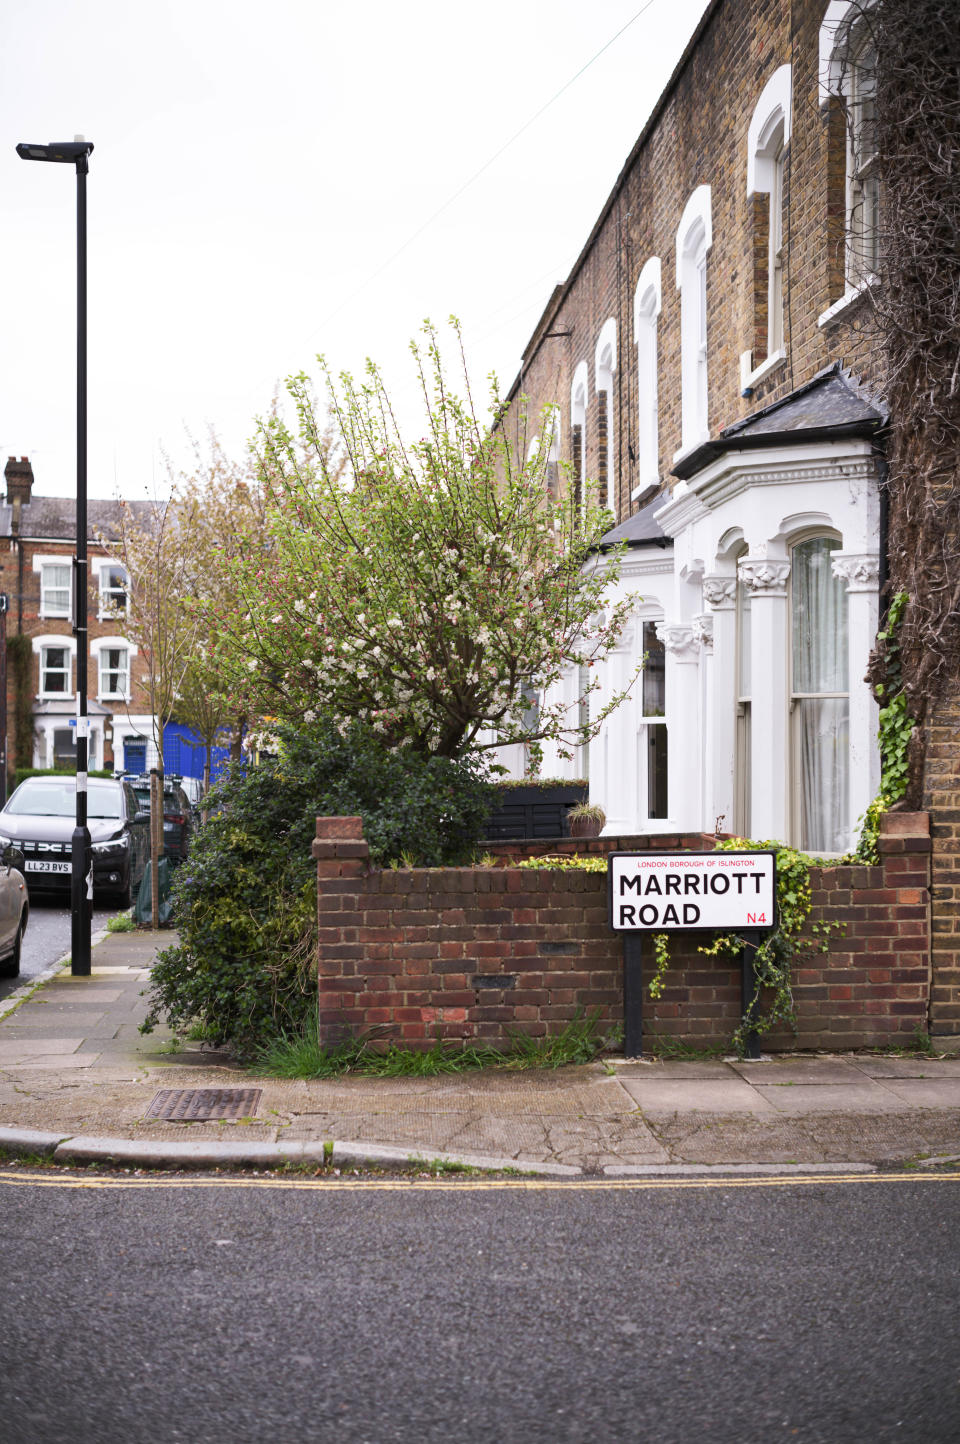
{"points": [[646, 721], [98, 648], [41, 645], [647, 303], [102, 572], [122, 672], [795, 804], [694, 240], [41, 565], [605, 366], [843, 35], [767, 141]]}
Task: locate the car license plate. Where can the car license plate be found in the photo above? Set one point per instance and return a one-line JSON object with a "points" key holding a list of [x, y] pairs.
{"points": [[32, 866]]}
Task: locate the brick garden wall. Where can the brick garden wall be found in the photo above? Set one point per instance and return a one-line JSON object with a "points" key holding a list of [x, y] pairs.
{"points": [[474, 953]]}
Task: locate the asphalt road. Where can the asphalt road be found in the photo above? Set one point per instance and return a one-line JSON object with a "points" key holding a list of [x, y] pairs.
{"points": [[248, 1310], [47, 938]]}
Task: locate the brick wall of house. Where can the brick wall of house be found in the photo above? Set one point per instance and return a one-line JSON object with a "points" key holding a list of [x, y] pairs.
{"points": [[22, 584], [699, 137], [473, 953]]}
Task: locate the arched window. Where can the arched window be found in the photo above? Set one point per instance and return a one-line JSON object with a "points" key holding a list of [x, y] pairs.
{"points": [[848, 70], [578, 431], [694, 239], [767, 141], [646, 309], [606, 365], [819, 698]]}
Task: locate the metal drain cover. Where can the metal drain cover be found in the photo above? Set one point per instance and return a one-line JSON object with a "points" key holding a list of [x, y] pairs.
{"points": [[197, 1103]]}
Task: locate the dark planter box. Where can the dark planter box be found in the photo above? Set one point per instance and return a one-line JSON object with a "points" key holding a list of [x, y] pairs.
{"points": [[527, 811]]}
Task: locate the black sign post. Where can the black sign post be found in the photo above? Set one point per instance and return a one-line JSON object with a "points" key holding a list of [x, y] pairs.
{"points": [[733, 892]]}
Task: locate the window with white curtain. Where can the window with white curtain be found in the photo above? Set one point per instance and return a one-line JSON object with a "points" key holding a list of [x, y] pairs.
{"points": [[114, 671], [55, 590], [652, 733], [742, 795], [819, 699]]}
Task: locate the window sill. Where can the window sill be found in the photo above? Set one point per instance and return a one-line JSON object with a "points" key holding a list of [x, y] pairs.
{"points": [[761, 372], [647, 488], [851, 297], [689, 448]]}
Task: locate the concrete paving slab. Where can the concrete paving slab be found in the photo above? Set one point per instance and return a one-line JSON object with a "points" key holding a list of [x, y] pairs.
{"points": [[684, 1068], [926, 1092], [917, 1066], [53, 1023], [814, 1071], [666, 1095], [27, 1047], [862, 1097], [52, 1060]]}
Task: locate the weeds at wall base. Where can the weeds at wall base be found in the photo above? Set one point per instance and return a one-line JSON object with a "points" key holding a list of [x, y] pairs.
{"points": [[303, 1055]]}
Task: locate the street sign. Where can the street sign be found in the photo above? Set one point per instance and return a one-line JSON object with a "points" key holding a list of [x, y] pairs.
{"points": [[667, 891]]}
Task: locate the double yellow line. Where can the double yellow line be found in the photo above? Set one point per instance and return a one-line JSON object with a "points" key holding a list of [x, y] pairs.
{"points": [[447, 1185]]}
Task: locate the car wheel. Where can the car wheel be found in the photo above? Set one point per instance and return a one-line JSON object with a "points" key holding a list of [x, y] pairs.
{"points": [[10, 967]]}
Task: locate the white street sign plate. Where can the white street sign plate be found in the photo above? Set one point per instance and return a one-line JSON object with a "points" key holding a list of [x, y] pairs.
{"points": [[667, 891]]}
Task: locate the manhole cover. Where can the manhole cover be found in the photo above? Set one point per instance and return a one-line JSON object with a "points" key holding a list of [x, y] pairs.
{"points": [[175, 1103]]}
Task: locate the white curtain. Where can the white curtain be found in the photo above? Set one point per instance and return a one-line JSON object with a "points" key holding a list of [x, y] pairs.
{"points": [[821, 723]]}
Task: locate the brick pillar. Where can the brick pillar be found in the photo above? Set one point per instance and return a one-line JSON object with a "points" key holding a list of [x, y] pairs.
{"points": [[343, 863], [942, 796], [904, 846]]}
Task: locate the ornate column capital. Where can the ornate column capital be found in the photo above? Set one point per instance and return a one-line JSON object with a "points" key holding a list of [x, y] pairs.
{"points": [[860, 570], [720, 592], [703, 630], [679, 640], [764, 576]]}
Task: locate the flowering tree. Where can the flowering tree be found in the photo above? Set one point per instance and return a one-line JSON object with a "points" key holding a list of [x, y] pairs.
{"points": [[423, 588]]}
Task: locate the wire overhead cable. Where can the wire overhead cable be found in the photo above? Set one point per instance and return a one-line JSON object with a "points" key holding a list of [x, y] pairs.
{"points": [[471, 180]]}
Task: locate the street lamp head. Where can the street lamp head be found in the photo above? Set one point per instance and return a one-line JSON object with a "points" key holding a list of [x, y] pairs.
{"points": [[70, 151]]}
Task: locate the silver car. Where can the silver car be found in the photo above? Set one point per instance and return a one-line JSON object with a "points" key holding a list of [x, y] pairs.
{"points": [[14, 911]]}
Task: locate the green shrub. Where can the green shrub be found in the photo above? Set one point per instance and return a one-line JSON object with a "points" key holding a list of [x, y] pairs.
{"points": [[245, 900]]}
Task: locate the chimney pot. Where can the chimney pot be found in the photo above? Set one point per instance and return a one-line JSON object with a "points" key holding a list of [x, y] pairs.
{"points": [[19, 478]]}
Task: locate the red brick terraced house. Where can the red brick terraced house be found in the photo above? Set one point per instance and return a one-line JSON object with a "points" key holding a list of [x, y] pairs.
{"points": [[37, 548]]}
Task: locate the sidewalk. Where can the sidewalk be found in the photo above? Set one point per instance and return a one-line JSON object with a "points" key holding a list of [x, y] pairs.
{"points": [[78, 1081]]}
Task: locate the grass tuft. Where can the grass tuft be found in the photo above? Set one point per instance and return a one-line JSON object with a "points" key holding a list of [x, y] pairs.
{"points": [[303, 1056]]}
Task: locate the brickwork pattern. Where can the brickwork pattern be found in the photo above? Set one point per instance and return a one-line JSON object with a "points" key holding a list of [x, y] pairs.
{"points": [[475, 953], [699, 137], [942, 798], [23, 585]]}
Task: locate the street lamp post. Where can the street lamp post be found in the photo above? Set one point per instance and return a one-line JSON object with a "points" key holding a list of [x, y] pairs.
{"points": [[76, 153]]}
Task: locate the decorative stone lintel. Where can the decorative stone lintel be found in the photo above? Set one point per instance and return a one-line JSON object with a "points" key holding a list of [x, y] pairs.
{"points": [[860, 570], [720, 592], [764, 576], [679, 640]]}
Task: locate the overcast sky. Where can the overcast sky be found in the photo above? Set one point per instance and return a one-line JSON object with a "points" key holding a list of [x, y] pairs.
{"points": [[257, 168]]}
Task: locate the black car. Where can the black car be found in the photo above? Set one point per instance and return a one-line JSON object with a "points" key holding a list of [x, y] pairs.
{"points": [[40, 818], [177, 814]]}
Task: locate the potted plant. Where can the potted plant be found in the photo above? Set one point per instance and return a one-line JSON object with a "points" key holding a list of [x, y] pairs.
{"points": [[586, 819]]}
